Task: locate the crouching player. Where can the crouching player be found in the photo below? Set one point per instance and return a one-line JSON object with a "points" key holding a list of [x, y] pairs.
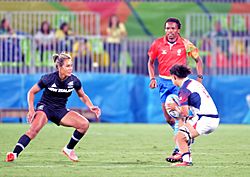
{"points": [[58, 86], [192, 96]]}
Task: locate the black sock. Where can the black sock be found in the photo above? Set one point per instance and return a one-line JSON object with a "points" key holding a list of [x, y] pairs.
{"points": [[74, 139], [21, 144]]}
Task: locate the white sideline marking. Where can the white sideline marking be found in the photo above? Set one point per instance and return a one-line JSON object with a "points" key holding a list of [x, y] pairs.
{"points": [[89, 153], [122, 166], [91, 166], [86, 152]]}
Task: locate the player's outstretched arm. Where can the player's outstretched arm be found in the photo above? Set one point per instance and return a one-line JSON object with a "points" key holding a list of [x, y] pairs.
{"points": [[86, 100], [30, 99]]}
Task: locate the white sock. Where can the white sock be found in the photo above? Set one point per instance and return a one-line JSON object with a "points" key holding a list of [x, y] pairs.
{"points": [[187, 158], [67, 150], [15, 155]]}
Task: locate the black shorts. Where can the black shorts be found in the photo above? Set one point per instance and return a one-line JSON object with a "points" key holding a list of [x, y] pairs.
{"points": [[54, 115]]}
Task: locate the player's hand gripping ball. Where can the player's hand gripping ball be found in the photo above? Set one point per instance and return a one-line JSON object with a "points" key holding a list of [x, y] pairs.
{"points": [[171, 104]]}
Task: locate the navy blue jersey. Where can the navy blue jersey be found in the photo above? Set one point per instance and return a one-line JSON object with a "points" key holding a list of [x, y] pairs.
{"points": [[56, 92]]}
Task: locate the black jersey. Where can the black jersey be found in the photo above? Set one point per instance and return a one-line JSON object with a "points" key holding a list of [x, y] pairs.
{"points": [[56, 92]]}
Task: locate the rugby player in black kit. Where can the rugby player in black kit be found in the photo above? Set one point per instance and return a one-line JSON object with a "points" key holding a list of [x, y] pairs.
{"points": [[58, 86]]}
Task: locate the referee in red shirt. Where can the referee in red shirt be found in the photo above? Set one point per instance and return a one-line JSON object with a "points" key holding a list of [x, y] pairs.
{"points": [[171, 49]]}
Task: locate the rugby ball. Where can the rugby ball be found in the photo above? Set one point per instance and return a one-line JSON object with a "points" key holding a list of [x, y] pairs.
{"points": [[172, 98]]}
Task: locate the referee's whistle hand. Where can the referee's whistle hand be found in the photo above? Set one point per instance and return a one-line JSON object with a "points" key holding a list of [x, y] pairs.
{"points": [[199, 80], [153, 84]]}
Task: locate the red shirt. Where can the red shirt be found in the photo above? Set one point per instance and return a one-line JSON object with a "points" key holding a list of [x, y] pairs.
{"points": [[170, 54]]}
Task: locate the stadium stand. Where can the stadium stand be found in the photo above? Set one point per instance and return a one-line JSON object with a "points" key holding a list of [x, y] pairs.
{"points": [[197, 26], [29, 22], [224, 51]]}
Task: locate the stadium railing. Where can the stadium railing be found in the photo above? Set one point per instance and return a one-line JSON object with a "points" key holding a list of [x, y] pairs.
{"points": [[223, 39], [22, 54], [203, 25], [224, 55], [84, 23]]}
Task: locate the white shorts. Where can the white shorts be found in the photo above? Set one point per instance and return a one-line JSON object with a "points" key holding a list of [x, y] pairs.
{"points": [[205, 124]]}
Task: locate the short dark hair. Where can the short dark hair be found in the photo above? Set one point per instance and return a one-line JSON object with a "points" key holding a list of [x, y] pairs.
{"points": [[174, 20], [180, 71], [63, 25]]}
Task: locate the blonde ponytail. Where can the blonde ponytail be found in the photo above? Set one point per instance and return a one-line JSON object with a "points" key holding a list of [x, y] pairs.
{"points": [[59, 59], [55, 57]]}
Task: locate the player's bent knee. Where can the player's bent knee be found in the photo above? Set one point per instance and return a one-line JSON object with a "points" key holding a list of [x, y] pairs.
{"points": [[84, 125], [184, 134]]}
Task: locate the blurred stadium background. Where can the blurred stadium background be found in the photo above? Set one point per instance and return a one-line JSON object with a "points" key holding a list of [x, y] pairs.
{"points": [[219, 28]]}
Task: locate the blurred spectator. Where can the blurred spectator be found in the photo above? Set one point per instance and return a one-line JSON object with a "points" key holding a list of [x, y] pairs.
{"points": [[45, 35], [10, 45], [44, 39], [239, 44], [221, 36], [5, 28], [64, 32], [229, 46], [239, 28], [82, 55], [238, 50], [116, 32], [64, 42], [218, 30]]}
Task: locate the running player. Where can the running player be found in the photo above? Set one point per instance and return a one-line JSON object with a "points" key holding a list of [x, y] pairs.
{"points": [[58, 86], [193, 96], [171, 49]]}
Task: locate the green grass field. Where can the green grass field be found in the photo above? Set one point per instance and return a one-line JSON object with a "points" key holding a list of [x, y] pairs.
{"points": [[124, 150]]}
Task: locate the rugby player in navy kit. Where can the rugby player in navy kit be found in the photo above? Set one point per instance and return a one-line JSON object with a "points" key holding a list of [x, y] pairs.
{"points": [[52, 106]]}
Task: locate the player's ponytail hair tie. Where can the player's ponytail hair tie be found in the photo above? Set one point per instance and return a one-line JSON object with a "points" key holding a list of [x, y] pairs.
{"points": [[55, 57]]}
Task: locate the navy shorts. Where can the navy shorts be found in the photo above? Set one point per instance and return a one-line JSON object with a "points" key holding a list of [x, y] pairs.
{"points": [[54, 115]]}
